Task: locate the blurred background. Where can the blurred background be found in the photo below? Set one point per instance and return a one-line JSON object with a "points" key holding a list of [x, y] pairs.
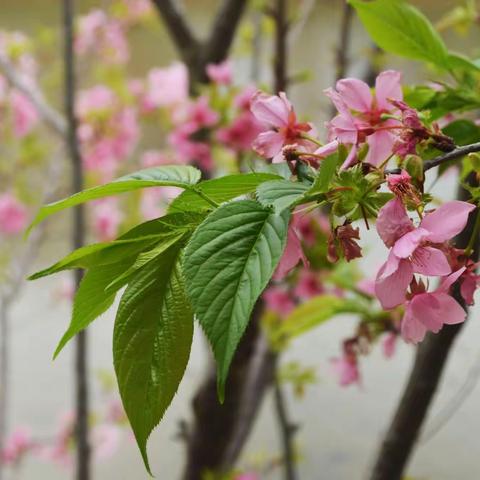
{"points": [[339, 428]]}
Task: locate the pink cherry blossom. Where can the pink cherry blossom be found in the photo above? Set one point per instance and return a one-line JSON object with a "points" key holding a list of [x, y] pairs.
{"points": [[154, 158], [367, 287], [389, 343], [167, 87], [105, 440], [278, 300], [292, 254], [246, 476], [243, 99], [107, 217], [25, 115], [240, 133], [415, 250], [346, 369], [16, 445], [430, 311], [279, 120], [469, 283], [220, 73], [13, 215], [360, 116], [308, 285]]}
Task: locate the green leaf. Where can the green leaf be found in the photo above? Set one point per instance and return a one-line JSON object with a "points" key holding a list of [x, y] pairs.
{"points": [[91, 300], [281, 194], [131, 243], [220, 190], [151, 343], [458, 61], [313, 313], [228, 263], [142, 260], [326, 172], [176, 176], [400, 28], [463, 131]]}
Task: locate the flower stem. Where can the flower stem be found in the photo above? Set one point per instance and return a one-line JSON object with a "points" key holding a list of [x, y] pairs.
{"points": [[311, 139]]}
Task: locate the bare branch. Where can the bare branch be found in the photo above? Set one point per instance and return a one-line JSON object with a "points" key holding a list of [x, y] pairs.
{"points": [[453, 155], [51, 117], [178, 28], [223, 31]]}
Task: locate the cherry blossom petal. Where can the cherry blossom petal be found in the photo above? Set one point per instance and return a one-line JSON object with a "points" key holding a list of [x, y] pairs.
{"points": [[271, 110], [393, 222], [355, 93], [380, 147], [390, 289], [351, 158], [388, 85], [406, 245], [268, 144], [447, 221], [447, 282], [343, 129], [412, 330], [292, 254], [327, 149], [337, 101], [430, 261]]}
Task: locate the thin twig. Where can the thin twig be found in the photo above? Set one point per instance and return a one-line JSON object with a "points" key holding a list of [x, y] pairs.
{"points": [[343, 46], [78, 240], [459, 152], [287, 432], [52, 117]]}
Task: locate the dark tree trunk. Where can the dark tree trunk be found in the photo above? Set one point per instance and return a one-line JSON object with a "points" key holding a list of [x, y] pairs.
{"points": [[422, 384], [78, 233]]}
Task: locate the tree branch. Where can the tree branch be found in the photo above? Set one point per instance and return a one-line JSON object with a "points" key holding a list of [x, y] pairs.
{"points": [[78, 239], [425, 377], [223, 31], [178, 28], [287, 431], [453, 155], [51, 117]]}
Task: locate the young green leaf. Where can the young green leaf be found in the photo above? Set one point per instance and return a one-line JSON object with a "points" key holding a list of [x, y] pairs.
{"points": [[131, 243], [326, 172], [151, 343], [91, 300], [228, 263], [313, 313], [176, 176], [281, 194], [220, 190], [400, 28]]}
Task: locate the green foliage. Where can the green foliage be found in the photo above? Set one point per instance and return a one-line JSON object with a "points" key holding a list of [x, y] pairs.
{"points": [[400, 28], [310, 315], [91, 299], [281, 194], [326, 173], [463, 131], [151, 343], [228, 263], [176, 176], [219, 190]]}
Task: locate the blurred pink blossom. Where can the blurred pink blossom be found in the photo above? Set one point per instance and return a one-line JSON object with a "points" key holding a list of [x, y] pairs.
{"points": [[308, 284], [220, 73], [346, 369], [13, 215], [166, 86], [105, 440], [240, 133], [279, 300], [107, 217], [292, 254], [25, 115], [389, 344], [16, 445]]}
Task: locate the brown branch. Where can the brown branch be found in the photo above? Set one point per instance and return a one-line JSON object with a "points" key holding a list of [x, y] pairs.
{"points": [[287, 431], [178, 28], [280, 65], [425, 377], [459, 152], [51, 117], [223, 31], [78, 239], [342, 59]]}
